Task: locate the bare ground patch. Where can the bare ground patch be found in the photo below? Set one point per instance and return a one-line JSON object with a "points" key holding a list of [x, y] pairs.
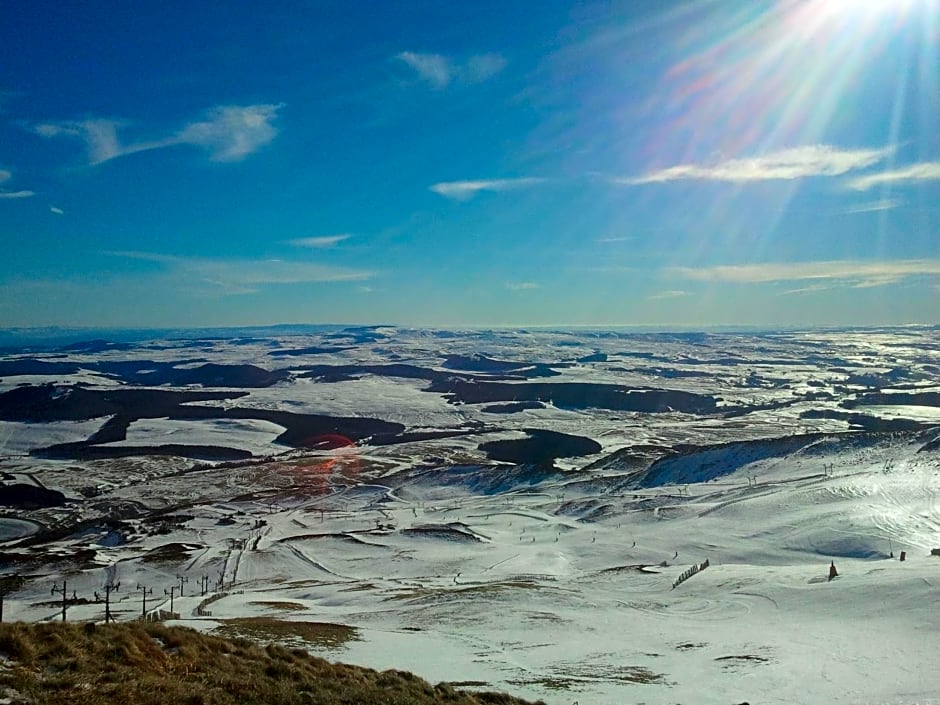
{"points": [[267, 629]]}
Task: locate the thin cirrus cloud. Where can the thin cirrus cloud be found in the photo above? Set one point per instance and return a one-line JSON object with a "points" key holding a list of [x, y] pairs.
{"points": [[99, 135], [859, 274], [319, 242], [787, 164], [5, 176], [668, 294], [465, 190], [245, 276], [56, 210], [522, 286], [440, 71], [228, 133], [883, 204], [922, 171]]}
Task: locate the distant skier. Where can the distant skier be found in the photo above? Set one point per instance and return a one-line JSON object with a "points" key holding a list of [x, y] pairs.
{"points": [[833, 573]]}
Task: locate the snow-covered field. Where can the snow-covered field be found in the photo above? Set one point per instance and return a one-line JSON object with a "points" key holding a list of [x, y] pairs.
{"points": [[249, 434], [553, 583]]}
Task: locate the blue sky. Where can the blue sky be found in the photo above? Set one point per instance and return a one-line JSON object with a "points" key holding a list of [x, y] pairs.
{"points": [[701, 163]]}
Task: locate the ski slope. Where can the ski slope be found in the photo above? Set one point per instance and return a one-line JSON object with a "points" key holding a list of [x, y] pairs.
{"points": [[559, 585]]}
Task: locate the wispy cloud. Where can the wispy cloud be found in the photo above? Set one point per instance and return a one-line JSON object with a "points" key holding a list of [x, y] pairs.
{"points": [[440, 71], [232, 132], [481, 67], [5, 176], [811, 289], [668, 294], [624, 238], [435, 69], [99, 135], [228, 133], [923, 171], [885, 204], [465, 190], [56, 210], [795, 163], [244, 276], [319, 242], [853, 273], [522, 286]]}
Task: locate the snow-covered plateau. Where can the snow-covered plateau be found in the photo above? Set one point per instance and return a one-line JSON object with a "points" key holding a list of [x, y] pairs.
{"points": [[574, 515]]}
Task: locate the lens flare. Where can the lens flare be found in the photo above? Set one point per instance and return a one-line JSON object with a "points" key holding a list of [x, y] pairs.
{"points": [[763, 78]]}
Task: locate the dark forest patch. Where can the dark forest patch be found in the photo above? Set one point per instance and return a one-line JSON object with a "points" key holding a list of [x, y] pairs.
{"points": [[540, 447], [576, 395]]}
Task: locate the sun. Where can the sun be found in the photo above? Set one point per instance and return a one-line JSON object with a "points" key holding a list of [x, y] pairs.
{"points": [[866, 11]]}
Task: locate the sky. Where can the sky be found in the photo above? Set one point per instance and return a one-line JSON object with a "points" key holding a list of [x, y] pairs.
{"points": [[513, 163]]}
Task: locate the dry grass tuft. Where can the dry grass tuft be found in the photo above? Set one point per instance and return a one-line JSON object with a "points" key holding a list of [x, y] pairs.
{"points": [[277, 605], [266, 629], [152, 664]]}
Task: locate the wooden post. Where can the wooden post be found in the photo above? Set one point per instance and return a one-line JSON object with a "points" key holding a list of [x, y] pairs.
{"points": [[144, 592], [65, 596], [9, 584], [172, 593], [108, 589]]}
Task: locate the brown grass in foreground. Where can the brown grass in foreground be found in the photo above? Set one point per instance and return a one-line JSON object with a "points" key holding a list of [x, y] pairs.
{"points": [[152, 664]]}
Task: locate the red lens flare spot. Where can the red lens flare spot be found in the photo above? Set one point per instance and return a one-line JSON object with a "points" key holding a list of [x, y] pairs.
{"points": [[327, 441]]}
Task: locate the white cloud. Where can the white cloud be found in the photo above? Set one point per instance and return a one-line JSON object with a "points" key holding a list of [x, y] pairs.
{"points": [[243, 276], [432, 68], [812, 288], [923, 171], [669, 294], [465, 190], [795, 163], [232, 132], [11, 195], [855, 273], [480, 67], [885, 204], [228, 133], [57, 211], [99, 135], [522, 286], [319, 242], [440, 71], [882, 280]]}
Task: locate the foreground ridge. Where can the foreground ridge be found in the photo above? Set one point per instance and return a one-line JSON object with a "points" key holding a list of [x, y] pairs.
{"points": [[152, 664]]}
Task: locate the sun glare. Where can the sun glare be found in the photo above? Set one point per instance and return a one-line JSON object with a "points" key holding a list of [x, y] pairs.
{"points": [[754, 81]]}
